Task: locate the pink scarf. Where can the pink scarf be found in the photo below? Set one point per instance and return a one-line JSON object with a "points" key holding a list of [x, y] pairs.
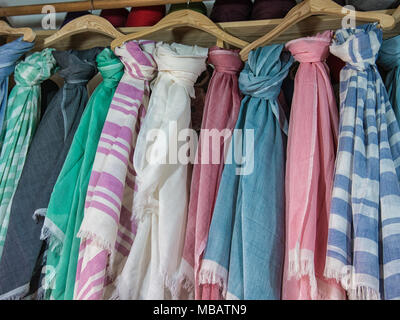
{"points": [[108, 228], [220, 112], [312, 143]]}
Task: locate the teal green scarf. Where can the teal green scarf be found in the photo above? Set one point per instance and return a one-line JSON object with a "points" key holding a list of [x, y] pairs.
{"points": [[20, 122], [67, 202]]}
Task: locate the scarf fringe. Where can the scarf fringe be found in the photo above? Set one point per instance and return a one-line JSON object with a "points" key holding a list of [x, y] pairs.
{"points": [[54, 242], [96, 240], [214, 274], [184, 282], [16, 294], [331, 273], [354, 291], [363, 293], [301, 264]]}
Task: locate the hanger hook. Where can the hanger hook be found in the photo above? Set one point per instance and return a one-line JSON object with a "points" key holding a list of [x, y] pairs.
{"points": [[92, 6]]}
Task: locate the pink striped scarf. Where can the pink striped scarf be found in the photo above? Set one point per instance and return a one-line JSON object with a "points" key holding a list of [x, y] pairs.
{"points": [[220, 112], [108, 228], [312, 143]]}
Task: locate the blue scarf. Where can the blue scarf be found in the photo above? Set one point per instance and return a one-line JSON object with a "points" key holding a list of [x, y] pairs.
{"points": [[364, 228], [9, 55], [245, 248]]}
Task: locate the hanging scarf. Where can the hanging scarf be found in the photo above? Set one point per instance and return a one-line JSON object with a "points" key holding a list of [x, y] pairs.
{"points": [[9, 54], [364, 234], [220, 113], [21, 119], [244, 254], [107, 231], [389, 60], [66, 206], [160, 203], [310, 165], [23, 250]]}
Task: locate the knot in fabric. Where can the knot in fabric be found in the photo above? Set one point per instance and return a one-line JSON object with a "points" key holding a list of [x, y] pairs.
{"points": [[10, 53], [225, 61], [137, 59], [110, 68], [264, 72], [35, 69], [184, 64], [358, 47], [311, 49], [389, 55], [77, 67]]}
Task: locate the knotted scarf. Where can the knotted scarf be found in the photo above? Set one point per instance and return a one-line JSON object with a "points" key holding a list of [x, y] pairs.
{"points": [[311, 153], [220, 115], [67, 202], [245, 248], [364, 234], [161, 200], [20, 123], [108, 228], [9, 55]]}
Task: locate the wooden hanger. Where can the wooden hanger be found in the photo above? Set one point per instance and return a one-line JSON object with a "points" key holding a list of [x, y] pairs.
{"points": [[87, 23], [28, 33], [184, 18], [309, 8], [396, 15]]}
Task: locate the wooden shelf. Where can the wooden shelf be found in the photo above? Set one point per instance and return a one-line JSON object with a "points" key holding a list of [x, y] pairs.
{"points": [[74, 6], [246, 30]]}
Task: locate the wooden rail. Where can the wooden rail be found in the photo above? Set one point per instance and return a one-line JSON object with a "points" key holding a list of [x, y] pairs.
{"points": [[84, 6], [245, 30]]}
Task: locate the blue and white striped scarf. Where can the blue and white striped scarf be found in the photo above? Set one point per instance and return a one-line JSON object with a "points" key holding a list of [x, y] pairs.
{"points": [[364, 227]]}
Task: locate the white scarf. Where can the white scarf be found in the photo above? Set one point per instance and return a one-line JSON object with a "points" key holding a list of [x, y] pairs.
{"points": [[160, 204]]}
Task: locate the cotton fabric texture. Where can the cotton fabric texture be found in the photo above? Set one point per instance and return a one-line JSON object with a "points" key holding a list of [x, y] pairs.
{"points": [[389, 61], [20, 123], [10, 53], [311, 153], [245, 247], [161, 200], [108, 228], [45, 158], [220, 113], [67, 202], [364, 233]]}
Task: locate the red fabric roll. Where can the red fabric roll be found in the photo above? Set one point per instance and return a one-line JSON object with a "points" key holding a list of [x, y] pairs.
{"points": [[117, 17], [145, 16]]}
